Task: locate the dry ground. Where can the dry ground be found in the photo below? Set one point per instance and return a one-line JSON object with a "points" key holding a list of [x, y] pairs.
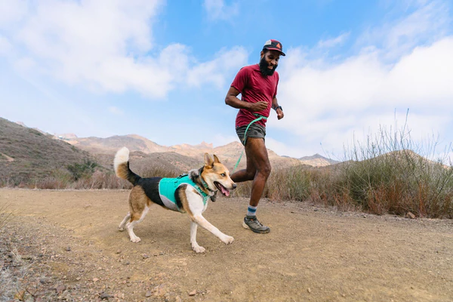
{"points": [[65, 245]]}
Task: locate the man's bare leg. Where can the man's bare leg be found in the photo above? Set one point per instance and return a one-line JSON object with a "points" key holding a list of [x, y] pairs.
{"points": [[258, 169], [257, 152]]}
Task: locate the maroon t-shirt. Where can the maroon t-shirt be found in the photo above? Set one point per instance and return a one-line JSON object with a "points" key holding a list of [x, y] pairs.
{"points": [[254, 87]]}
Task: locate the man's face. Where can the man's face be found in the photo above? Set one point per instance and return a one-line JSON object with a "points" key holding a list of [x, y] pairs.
{"points": [[269, 62]]}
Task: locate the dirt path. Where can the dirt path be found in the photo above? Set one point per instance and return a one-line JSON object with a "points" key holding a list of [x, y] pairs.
{"points": [[65, 244]]}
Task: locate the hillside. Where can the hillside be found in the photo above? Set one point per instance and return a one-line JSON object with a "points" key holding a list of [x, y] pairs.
{"points": [[110, 145], [105, 148], [317, 160], [27, 154]]}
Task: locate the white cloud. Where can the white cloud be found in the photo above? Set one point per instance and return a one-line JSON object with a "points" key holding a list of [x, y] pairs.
{"points": [[329, 43], [115, 110], [215, 71], [11, 11], [423, 77], [329, 103], [426, 24], [106, 46], [5, 46], [218, 10], [404, 64]]}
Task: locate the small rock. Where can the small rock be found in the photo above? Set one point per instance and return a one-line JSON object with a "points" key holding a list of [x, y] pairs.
{"points": [[309, 290], [118, 251], [145, 256], [68, 249], [60, 289], [410, 215], [105, 296], [148, 294], [95, 279], [193, 293], [44, 280]]}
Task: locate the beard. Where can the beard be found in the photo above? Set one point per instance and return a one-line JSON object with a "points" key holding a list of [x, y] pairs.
{"points": [[264, 68]]}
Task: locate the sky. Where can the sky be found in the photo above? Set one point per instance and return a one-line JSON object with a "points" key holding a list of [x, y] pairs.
{"points": [[353, 70]]}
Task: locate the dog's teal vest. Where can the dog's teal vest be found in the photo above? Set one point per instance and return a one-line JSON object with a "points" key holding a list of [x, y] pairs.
{"points": [[168, 186]]}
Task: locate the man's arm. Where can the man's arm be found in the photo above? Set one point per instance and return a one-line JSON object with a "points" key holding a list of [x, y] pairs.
{"points": [[232, 100], [277, 108]]}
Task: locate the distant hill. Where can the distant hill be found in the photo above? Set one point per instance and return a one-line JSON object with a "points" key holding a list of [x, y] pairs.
{"points": [[111, 144], [27, 154], [317, 160], [105, 148]]}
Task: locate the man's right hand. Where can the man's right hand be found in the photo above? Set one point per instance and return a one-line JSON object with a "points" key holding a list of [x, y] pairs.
{"points": [[258, 106]]}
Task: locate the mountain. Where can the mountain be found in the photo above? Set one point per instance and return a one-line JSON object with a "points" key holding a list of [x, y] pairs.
{"points": [[27, 154], [317, 160], [105, 148], [111, 144]]}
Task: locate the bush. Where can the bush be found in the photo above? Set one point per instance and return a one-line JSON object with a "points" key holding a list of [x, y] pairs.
{"points": [[289, 184], [387, 176], [82, 170]]}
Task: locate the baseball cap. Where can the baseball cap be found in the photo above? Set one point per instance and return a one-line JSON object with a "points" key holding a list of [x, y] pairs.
{"points": [[274, 45]]}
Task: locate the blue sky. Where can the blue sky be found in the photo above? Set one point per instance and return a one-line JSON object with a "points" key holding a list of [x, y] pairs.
{"points": [[161, 69]]}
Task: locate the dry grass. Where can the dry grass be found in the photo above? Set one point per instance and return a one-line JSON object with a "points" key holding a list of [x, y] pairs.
{"points": [[383, 176]]}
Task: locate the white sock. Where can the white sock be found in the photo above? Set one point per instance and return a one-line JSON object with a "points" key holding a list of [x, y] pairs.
{"points": [[251, 211]]}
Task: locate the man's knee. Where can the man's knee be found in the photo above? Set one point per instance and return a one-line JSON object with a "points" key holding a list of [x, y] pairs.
{"points": [[265, 169], [250, 174]]}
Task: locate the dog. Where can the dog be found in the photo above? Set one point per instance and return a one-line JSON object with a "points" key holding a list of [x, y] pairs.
{"points": [[188, 193]]}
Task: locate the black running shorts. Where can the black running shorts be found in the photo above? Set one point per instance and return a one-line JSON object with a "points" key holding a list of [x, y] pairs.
{"points": [[255, 131]]}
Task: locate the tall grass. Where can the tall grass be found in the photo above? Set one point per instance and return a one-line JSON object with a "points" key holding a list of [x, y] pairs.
{"points": [[293, 183], [387, 175]]}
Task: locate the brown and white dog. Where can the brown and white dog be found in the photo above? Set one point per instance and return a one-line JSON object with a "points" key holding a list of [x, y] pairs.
{"points": [[188, 193]]}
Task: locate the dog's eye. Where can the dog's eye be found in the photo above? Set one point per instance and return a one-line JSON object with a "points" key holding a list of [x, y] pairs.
{"points": [[223, 174]]}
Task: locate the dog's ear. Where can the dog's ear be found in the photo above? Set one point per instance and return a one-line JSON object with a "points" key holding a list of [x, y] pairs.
{"points": [[208, 160], [216, 159]]}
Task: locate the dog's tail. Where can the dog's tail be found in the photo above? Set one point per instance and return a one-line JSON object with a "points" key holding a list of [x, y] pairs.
{"points": [[121, 164]]}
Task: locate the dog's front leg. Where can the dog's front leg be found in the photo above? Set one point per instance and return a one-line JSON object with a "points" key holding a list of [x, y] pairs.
{"points": [[193, 238], [201, 221]]}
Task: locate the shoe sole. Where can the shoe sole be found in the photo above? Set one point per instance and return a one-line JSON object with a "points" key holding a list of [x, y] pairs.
{"points": [[255, 231]]}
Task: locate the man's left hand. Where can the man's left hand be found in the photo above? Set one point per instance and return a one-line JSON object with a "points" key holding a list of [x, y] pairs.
{"points": [[280, 114]]}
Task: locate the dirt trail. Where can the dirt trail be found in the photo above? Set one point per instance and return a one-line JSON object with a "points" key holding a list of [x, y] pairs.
{"points": [[68, 247]]}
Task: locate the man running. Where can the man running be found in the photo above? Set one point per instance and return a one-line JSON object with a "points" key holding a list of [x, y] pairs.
{"points": [[257, 85]]}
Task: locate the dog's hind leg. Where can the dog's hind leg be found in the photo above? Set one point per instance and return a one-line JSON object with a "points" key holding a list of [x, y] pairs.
{"points": [[135, 219], [123, 223], [193, 238]]}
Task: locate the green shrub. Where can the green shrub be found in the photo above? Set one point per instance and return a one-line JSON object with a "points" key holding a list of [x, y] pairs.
{"points": [[82, 170]]}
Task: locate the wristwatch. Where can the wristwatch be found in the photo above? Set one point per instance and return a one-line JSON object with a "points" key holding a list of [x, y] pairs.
{"points": [[278, 107]]}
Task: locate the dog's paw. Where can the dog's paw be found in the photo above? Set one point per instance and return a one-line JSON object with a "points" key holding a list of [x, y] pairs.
{"points": [[227, 239], [120, 229], [135, 239], [198, 249]]}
